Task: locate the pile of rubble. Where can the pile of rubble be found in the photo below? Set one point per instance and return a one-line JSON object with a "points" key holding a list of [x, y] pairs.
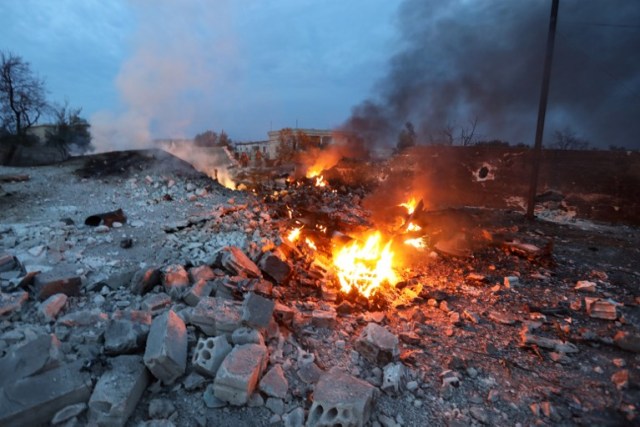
{"points": [[213, 318]]}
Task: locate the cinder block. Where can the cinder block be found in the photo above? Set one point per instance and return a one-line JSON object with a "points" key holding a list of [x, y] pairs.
{"points": [[35, 400], [209, 354], [275, 269], [377, 345], [166, 351], [199, 290], [46, 284], [217, 316], [341, 399], [124, 336], [239, 373], [118, 391], [257, 310], [246, 335], [236, 262]]}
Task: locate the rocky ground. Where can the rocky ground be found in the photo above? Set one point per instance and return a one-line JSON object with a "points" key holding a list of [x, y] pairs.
{"points": [[195, 310]]}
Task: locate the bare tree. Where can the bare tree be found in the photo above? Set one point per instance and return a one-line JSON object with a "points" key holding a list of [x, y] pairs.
{"points": [[71, 132], [22, 94], [467, 135], [567, 139]]}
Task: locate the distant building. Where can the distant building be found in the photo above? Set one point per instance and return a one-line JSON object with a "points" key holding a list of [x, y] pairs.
{"points": [[41, 131]]}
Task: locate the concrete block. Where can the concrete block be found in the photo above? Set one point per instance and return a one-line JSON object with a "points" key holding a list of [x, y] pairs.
{"points": [[377, 344], [341, 399], [216, 316], [47, 284], [275, 268], [283, 314], [68, 412], [36, 356], [175, 280], [246, 335], [50, 308], [166, 351], [10, 303], [601, 308], [92, 317], [34, 400], [239, 373], [274, 383], [323, 318], [236, 262], [118, 391], [156, 302], [209, 354], [257, 310], [199, 290], [145, 280], [393, 378]]}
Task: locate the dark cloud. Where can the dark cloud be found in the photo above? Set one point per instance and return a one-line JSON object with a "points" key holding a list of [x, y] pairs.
{"points": [[461, 60]]}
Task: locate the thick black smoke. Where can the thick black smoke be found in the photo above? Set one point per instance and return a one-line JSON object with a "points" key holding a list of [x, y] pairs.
{"points": [[464, 60]]}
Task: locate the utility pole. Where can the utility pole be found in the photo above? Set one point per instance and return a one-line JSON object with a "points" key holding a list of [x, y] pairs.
{"points": [[542, 110]]}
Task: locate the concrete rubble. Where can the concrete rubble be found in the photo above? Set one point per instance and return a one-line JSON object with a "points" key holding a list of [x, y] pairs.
{"points": [[226, 322]]}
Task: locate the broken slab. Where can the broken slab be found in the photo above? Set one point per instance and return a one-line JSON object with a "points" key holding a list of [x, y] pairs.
{"points": [[200, 289], [257, 310], [239, 373], [145, 280], [209, 354], [124, 336], [246, 335], [34, 400], [202, 272], [166, 351], [36, 356], [47, 284], [341, 399], [548, 343], [175, 280], [377, 344], [274, 268], [236, 262], [10, 303], [216, 316], [601, 309], [274, 383], [50, 308], [156, 302], [118, 391]]}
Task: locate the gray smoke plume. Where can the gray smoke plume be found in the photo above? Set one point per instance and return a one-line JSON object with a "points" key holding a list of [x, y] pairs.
{"points": [[464, 60]]}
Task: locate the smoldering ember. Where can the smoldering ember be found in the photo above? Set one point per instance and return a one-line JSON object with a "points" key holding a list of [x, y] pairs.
{"points": [[137, 290]]}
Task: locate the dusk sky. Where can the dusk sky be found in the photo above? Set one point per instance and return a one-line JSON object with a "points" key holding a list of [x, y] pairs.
{"points": [[143, 69]]}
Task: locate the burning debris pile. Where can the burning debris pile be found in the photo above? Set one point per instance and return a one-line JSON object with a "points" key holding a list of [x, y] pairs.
{"points": [[299, 307]]}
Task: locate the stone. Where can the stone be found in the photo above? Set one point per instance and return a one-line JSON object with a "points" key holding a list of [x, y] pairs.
{"points": [[145, 280], [68, 412], [161, 408], [10, 303], [34, 357], [621, 379], [393, 378], [118, 391], [166, 352], [295, 418], [246, 335], [202, 272], [257, 310], [323, 318], [585, 286], [209, 354], [200, 289], [124, 336], [627, 341], [50, 308], [194, 381], [34, 400], [275, 405], [210, 399], [236, 262], [476, 278], [175, 280], [377, 344], [601, 309], [548, 343], [283, 314], [156, 302], [47, 284], [83, 318], [341, 399], [9, 262], [511, 281], [274, 383], [309, 373], [274, 268], [216, 316], [502, 318], [238, 375]]}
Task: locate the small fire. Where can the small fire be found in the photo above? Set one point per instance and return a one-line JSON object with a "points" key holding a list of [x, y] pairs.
{"points": [[418, 243], [313, 172], [320, 182], [365, 266], [413, 227], [294, 234], [310, 243], [410, 206]]}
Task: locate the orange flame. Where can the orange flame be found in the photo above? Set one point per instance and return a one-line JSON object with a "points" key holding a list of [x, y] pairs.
{"points": [[294, 234], [365, 266], [418, 243], [410, 206], [310, 243], [413, 227], [320, 182]]}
